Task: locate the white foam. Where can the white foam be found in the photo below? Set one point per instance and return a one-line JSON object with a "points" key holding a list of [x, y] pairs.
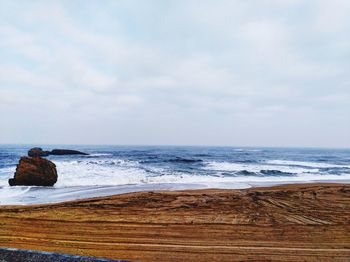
{"points": [[98, 177], [8, 192], [94, 172], [32, 195], [123, 172], [5, 174], [98, 154], [305, 164], [99, 172], [89, 173], [7, 170], [231, 167], [247, 150], [212, 180], [40, 195]]}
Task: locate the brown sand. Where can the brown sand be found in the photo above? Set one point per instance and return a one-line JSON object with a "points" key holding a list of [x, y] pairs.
{"points": [[309, 222]]}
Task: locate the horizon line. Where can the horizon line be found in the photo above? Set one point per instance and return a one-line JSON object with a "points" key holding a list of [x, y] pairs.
{"points": [[175, 145]]}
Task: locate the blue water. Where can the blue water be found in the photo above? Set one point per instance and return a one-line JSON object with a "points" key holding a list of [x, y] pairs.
{"points": [[224, 167]]}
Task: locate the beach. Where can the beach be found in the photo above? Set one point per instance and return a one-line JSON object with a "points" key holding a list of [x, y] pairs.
{"points": [[298, 222], [174, 131]]}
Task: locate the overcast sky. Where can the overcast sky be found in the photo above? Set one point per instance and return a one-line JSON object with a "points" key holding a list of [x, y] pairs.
{"points": [[175, 72]]}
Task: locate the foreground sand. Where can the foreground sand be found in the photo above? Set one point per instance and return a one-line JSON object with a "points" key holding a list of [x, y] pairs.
{"points": [[290, 223]]}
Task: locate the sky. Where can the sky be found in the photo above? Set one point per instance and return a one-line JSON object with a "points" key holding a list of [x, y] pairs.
{"points": [[175, 72]]}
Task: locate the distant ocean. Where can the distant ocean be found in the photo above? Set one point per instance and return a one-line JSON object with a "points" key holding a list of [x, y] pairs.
{"points": [[119, 169]]}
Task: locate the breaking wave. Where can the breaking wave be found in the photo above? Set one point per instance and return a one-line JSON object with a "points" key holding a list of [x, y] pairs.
{"points": [[190, 167]]}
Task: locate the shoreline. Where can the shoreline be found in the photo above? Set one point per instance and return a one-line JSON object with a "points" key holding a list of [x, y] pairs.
{"points": [[290, 222], [32, 195]]}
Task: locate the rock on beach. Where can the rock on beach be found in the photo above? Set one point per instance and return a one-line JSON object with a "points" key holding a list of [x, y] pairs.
{"points": [[34, 171]]}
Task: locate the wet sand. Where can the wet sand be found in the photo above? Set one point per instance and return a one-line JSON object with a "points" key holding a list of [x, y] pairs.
{"points": [[300, 222]]}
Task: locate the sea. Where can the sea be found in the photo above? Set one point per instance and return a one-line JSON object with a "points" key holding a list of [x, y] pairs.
{"points": [[111, 170]]}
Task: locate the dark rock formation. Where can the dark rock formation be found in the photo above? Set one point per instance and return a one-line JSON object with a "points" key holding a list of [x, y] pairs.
{"points": [[37, 151], [34, 171], [66, 152]]}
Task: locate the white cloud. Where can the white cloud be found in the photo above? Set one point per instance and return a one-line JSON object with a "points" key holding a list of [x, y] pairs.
{"points": [[239, 64], [331, 16]]}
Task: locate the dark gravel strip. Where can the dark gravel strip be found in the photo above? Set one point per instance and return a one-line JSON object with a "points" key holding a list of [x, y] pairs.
{"points": [[18, 255]]}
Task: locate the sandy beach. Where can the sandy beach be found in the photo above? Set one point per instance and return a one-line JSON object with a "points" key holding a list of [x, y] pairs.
{"points": [[174, 131], [300, 222]]}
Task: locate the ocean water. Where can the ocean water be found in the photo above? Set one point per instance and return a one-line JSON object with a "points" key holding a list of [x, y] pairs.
{"points": [[119, 169]]}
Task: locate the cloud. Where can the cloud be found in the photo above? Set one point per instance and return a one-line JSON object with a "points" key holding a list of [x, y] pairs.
{"points": [[331, 17], [238, 64]]}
